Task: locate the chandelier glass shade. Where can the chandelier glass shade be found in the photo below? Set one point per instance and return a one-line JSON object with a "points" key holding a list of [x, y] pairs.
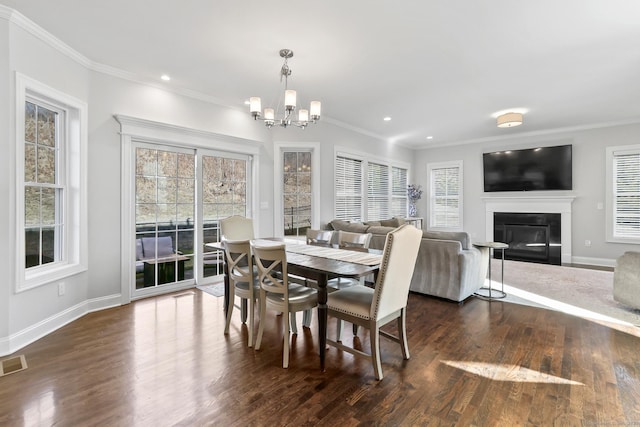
{"points": [[305, 116]]}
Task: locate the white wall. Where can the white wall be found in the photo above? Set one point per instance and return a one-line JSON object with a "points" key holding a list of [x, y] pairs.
{"points": [[6, 178], [588, 184]]}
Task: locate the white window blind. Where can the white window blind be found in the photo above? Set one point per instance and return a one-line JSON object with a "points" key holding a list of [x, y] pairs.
{"points": [[399, 191], [378, 189], [626, 194], [445, 195], [349, 194]]}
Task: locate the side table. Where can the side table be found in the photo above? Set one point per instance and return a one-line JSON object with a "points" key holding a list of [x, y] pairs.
{"points": [[499, 293]]}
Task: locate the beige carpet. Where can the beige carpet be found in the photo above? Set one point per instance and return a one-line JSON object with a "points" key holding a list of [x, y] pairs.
{"points": [[579, 291]]}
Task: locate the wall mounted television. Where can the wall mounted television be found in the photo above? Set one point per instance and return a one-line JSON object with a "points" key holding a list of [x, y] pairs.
{"points": [[531, 169]]}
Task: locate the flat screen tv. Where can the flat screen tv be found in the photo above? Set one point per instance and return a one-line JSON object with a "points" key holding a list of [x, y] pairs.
{"points": [[531, 169]]}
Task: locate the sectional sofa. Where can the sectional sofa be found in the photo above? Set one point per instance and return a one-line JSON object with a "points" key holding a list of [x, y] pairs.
{"points": [[448, 265]]}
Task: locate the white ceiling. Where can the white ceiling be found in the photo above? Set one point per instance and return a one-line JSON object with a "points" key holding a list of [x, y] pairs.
{"points": [[439, 68]]}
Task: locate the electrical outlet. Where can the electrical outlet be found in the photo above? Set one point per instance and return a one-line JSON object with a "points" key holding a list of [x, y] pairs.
{"points": [[61, 289], [587, 243]]}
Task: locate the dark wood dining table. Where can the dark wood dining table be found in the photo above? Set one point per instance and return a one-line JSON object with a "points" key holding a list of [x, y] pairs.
{"points": [[317, 268]]}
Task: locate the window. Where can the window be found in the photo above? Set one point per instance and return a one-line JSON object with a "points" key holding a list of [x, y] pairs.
{"points": [[378, 192], [386, 189], [296, 192], [348, 187], [445, 195], [623, 194], [51, 213], [399, 183]]}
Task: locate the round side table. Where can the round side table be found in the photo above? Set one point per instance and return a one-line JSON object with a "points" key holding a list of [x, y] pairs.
{"points": [[492, 293]]}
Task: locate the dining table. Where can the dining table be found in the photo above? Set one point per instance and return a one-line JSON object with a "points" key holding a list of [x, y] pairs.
{"points": [[319, 264]]}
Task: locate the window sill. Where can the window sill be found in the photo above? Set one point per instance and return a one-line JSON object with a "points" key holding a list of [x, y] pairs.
{"points": [[44, 276]]}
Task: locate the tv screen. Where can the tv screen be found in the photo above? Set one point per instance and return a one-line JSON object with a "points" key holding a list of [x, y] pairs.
{"points": [[532, 169]]}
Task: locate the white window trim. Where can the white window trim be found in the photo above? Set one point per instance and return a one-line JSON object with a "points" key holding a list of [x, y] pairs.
{"points": [[74, 251], [610, 218], [365, 158], [443, 165], [279, 148]]}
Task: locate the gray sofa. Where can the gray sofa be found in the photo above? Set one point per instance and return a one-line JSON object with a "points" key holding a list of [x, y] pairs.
{"points": [[448, 265]]}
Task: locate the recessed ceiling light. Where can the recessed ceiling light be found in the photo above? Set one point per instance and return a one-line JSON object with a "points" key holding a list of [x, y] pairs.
{"points": [[165, 77], [386, 119], [429, 137]]}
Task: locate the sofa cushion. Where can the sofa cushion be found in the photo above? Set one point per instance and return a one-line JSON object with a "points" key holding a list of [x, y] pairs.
{"points": [[376, 223], [354, 227], [393, 222], [460, 236]]}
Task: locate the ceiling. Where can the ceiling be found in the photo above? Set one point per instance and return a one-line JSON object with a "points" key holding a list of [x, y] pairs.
{"points": [[437, 68]]}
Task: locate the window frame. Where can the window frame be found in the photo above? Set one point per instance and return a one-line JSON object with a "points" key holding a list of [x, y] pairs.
{"points": [[72, 173], [431, 167], [610, 195]]}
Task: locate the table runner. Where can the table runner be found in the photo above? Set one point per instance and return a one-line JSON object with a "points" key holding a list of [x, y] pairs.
{"points": [[355, 257]]}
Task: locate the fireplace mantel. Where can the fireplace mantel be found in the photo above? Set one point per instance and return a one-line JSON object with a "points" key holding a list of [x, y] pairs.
{"points": [[533, 204]]}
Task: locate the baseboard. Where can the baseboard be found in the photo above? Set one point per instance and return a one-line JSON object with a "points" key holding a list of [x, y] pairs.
{"points": [[601, 262], [34, 332]]}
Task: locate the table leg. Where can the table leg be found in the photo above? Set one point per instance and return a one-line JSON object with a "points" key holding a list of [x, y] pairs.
{"points": [[225, 277], [322, 317]]}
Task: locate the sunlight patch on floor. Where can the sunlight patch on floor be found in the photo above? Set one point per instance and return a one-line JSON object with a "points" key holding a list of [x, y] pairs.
{"points": [[513, 373], [601, 319]]}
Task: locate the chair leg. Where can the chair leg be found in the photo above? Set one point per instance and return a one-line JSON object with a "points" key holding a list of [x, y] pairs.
{"points": [[263, 309], [294, 327], [251, 320], [307, 315], [374, 334], [243, 310], [286, 337], [338, 330], [229, 311], [402, 334]]}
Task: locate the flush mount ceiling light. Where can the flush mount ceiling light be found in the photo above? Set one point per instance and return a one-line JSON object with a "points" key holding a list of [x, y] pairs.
{"points": [[304, 116], [509, 120]]}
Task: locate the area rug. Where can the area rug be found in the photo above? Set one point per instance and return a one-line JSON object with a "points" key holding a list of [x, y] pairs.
{"points": [[216, 289], [580, 291]]}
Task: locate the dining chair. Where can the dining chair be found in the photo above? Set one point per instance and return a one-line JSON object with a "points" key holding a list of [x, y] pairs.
{"points": [[242, 281], [277, 293], [374, 308], [353, 241], [236, 227], [319, 237]]}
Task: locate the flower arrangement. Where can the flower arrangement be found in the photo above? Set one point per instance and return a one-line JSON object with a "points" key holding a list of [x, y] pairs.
{"points": [[414, 192]]}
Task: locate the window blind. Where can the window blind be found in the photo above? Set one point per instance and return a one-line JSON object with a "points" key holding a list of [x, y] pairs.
{"points": [[626, 194], [445, 197], [398, 191], [378, 197], [349, 193]]}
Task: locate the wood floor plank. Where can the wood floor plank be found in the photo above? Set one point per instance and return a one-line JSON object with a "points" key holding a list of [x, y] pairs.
{"points": [[165, 361]]}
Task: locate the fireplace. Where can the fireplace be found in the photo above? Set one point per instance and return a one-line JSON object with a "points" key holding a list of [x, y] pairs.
{"points": [[534, 203], [533, 237]]}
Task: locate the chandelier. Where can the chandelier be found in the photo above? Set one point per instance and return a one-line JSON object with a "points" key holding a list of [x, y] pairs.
{"points": [[312, 115]]}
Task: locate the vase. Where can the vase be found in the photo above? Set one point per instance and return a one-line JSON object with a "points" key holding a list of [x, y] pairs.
{"points": [[412, 209]]}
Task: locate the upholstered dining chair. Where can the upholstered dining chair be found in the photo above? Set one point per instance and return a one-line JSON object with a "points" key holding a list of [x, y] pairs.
{"points": [[319, 237], [242, 282], [277, 293], [374, 308], [236, 228]]}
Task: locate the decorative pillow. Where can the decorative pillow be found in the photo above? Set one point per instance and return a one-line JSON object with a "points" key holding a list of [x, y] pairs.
{"points": [[374, 223]]}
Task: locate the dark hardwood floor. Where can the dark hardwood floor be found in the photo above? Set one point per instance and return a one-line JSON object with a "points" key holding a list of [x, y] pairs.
{"points": [[165, 361]]}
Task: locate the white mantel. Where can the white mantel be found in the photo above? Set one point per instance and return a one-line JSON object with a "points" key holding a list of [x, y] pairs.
{"points": [[534, 204]]}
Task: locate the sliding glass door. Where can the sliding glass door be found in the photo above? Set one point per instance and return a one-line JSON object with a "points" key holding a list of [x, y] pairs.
{"points": [[181, 194]]}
